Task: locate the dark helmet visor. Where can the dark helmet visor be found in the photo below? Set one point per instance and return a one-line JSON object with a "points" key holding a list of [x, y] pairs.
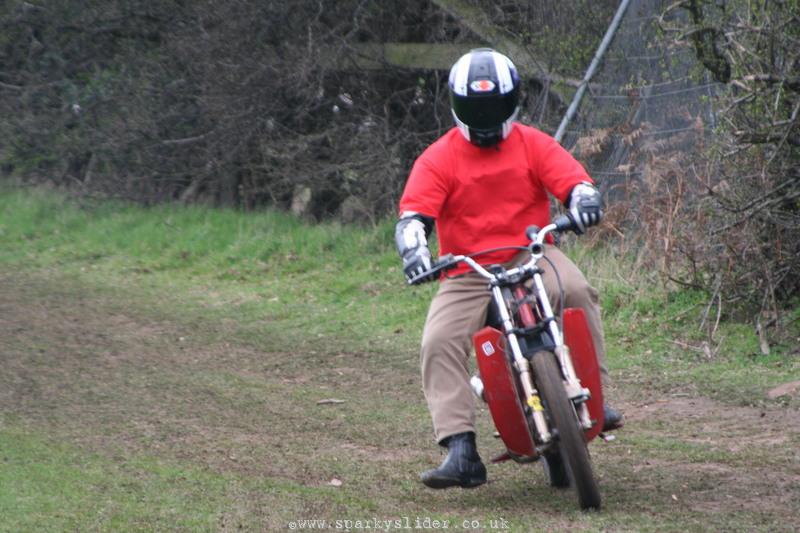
{"points": [[486, 111]]}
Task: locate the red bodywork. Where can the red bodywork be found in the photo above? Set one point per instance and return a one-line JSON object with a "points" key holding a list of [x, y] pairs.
{"points": [[504, 396], [579, 339]]}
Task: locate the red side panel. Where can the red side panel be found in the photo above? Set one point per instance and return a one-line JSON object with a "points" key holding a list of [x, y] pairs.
{"points": [[501, 393], [579, 339]]}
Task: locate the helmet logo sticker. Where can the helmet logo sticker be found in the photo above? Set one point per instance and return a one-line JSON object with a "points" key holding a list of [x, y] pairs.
{"points": [[482, 86]]}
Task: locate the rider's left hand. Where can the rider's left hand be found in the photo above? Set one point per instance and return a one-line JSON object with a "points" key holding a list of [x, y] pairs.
{"points": [[585, 207]]}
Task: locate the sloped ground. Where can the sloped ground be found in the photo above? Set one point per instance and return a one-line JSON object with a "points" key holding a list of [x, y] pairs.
{"points": [[119, 378]]}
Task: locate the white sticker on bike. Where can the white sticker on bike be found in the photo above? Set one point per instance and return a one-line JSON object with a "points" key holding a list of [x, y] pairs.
{"points": [[487, 348]]}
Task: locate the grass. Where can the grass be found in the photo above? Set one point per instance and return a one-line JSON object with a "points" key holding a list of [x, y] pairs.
{"points": [[48, 486], [338, 281], [162, 368], [261, 264], [659, 336]]}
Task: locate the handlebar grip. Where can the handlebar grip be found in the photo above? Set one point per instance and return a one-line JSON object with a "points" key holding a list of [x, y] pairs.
{"points": [[564, 223], [532, 231], [444, 263]]}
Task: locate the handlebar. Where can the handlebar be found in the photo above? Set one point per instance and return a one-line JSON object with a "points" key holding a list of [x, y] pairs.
{"points": [[534, 233], [446, 262]]}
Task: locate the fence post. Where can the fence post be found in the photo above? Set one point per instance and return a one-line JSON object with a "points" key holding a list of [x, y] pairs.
{"points": [[598, 56]]}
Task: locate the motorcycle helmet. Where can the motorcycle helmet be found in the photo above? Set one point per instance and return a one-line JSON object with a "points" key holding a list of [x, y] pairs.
{"points": [[484, 96]]}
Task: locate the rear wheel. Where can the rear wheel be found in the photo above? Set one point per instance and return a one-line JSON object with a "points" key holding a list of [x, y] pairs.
{"points": [[571, 444]]}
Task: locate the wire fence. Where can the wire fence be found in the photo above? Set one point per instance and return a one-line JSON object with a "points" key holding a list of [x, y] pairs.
{"points": [[648, 90]]}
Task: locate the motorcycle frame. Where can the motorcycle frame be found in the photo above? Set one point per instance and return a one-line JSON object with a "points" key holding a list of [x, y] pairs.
{"points": [[577, 393], [530, 336], [515, 278]]}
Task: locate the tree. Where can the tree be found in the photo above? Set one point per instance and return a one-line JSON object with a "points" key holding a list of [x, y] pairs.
{"points": [[749, 243], [243, 103]]}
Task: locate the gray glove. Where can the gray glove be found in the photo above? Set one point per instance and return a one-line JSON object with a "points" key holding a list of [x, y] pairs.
{"points": [[585, 207], [411, 237]]}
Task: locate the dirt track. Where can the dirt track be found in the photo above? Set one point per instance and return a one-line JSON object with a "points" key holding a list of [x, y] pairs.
{"points": [[111, 378]]}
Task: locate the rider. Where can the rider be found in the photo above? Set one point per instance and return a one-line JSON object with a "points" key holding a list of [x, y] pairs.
{"points": [[481, 184]]}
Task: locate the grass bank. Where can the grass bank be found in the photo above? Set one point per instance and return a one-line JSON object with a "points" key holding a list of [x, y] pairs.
{"points": [[345, 284], [164, 368]]}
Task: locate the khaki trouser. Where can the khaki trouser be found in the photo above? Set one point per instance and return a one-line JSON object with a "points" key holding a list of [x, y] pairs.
{"points": [[458, 310]]}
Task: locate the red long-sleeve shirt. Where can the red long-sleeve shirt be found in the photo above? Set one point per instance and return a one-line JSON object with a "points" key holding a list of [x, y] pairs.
{"points": [[485, 197]]}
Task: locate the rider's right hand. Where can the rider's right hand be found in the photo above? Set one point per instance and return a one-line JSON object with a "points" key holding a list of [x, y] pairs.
{"points": [[411, 236], [416, 261]]}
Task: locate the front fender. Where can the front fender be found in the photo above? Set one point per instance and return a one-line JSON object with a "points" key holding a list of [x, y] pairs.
{"points": [[584, 358], [501, 391]]}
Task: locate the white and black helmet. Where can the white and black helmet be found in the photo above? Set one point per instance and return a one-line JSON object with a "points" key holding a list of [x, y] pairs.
{"points": [[484, 96]]}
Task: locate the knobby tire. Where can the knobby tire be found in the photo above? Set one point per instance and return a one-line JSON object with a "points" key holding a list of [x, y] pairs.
{"points": [[571, 443]]}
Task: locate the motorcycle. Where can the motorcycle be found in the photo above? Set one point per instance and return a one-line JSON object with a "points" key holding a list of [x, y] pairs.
{"points": [[538, 372]]}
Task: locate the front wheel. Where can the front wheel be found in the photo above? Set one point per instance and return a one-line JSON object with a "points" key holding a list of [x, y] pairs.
{"points": [[571, 444]]}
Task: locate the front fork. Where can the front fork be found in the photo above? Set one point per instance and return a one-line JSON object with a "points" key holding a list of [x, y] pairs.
{"points": [[523, 367], [575, 391]]}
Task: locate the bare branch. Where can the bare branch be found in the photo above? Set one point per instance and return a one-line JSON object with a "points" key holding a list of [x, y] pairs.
{"points": [[10, 87], [790, 82]]}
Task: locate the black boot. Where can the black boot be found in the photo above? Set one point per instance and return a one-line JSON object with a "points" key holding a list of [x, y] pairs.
{"points": [[461, 468], [612, 419]]}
